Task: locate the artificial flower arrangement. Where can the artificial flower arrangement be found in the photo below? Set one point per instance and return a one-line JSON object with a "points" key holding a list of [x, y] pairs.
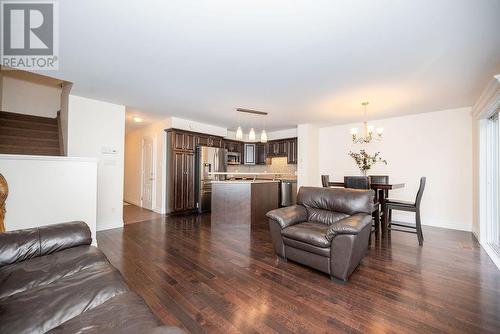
{"points": [[366, 161]]}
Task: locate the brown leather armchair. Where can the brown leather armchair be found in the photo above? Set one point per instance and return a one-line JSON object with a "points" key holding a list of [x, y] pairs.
{"points": [[328, 229]]}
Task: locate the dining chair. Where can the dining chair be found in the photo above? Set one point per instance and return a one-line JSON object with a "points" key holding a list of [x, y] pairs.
{"points": [[324, 180], [381, 179], [411, 207], [363, 182]]}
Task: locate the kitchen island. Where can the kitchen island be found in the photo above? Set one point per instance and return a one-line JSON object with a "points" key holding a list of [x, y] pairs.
{"points": [[243, 201]]}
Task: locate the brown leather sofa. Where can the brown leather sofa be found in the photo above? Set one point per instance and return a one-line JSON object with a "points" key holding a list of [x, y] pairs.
{"points": [[53, 280], [328, 229]]}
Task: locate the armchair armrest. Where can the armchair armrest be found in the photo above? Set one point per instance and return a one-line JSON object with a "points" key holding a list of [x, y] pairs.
{"points": [[21, 245], [349, 225], [289, 215]]}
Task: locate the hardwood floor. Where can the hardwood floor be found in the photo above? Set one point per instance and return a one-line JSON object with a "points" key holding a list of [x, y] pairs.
{"points": [[134, 214], [207, 276]]}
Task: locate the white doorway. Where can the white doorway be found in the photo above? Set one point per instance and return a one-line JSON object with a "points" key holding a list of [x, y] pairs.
{"points": [[148, 173]]}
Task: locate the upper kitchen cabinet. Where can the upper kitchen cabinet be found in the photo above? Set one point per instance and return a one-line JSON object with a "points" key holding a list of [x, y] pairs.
{"points": [[206, 140], [182, 141], [261, 150], [233, 146], [284, 148], [292, 151]]}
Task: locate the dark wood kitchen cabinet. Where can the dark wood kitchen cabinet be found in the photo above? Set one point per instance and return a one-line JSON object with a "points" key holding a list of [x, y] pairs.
{"points": [[206, 140], [261, 153], [181, 150], [284, 148], [183, 141], [292, 151]]}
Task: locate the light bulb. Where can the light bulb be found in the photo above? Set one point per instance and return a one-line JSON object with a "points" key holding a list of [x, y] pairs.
{"points": [[263, 137], [137, 119], [370, 128], [239, 133], [380, 131], [354, 131], [251, 134]]}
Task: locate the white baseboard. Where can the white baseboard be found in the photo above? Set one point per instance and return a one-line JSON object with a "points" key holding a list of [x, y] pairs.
{"points": [[491, 253], [409, 218], [132, 202], [102, 226], [159, 210]]}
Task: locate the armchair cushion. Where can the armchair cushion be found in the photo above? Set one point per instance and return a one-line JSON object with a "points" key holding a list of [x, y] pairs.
{"points": [[347, 201], [349, 225], [289, 215], [310, 233]]}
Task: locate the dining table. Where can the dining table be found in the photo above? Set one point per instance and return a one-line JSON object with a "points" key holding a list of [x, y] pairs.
{"points": [[382, 191]]}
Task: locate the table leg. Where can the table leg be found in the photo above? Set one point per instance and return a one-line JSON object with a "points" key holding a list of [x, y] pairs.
{"points": [[385, 215]]}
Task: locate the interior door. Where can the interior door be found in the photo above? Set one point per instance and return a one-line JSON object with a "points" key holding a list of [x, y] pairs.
{"points": [[148, 176]]}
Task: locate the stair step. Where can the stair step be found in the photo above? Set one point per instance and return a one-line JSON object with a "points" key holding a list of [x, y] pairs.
{"points": [[22, 124], [13, 149], [29, 142], [28, 118], [28, 133]]}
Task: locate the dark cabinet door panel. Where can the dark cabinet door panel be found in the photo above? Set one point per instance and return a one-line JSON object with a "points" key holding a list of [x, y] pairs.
{"points": [[178, 140], [189, 200], [178, 175], [203, 140], [189, 141]]}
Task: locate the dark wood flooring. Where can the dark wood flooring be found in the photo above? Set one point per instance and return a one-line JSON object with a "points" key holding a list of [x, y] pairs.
{"points": [[207, 276]]}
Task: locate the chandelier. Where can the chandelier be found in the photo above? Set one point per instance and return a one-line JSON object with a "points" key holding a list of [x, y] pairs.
{"points": [[369, 132], [251, 134]]}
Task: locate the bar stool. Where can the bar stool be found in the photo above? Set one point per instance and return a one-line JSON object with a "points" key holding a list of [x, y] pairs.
{"points": [[410, 207]]}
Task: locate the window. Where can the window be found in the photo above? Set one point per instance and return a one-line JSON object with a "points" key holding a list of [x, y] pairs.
{"points": [[492, 232]]}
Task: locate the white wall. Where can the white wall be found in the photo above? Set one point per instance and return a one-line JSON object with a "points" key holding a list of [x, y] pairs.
{"points": [[26, 97], [95, 127], [133, 164], [184, 124], [308, 150], [49, 190], [437, 145]]}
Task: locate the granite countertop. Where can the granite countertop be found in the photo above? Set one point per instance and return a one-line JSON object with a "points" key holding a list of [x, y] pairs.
{"points": [[246, 181]]}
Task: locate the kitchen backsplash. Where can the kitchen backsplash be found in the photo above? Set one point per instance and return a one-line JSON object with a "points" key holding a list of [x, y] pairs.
{"points": [[278, 165]]}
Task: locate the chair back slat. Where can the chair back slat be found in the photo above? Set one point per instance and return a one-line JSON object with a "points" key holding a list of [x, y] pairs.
{"points": [[383, 179], [420, 191], [324, 180], [356, 182]]}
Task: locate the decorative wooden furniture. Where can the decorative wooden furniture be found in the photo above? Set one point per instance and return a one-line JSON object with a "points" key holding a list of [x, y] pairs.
{"points": [[376, 187], [4, 193], [407, 206]]}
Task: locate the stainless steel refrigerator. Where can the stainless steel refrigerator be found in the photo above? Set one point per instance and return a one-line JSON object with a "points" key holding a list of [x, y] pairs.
{"points": [[208, 159]]}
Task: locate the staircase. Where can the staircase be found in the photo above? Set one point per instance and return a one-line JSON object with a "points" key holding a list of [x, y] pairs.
{"points": [[29, 135]]}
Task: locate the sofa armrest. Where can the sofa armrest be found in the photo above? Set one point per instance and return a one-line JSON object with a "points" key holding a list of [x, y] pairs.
{"points": [[289, 215], [21, 245], [349, 225]]}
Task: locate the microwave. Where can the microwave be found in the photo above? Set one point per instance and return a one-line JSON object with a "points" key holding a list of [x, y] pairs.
{"points": [[233, 158]]}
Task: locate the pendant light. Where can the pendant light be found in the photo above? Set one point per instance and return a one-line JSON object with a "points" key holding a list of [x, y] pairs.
{"points": [[263, 136], [239, 133], [251, 134], [369, 131]]}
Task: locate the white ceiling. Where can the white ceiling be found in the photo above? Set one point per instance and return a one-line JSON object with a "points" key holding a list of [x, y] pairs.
{"points": [[301, 61]]}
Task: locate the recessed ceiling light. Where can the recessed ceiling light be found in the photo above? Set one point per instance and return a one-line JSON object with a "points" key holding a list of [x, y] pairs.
{"points": [[137, 119]]}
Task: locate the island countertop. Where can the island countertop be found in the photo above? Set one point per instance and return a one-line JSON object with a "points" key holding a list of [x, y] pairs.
{"points": [[246, 181]]}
